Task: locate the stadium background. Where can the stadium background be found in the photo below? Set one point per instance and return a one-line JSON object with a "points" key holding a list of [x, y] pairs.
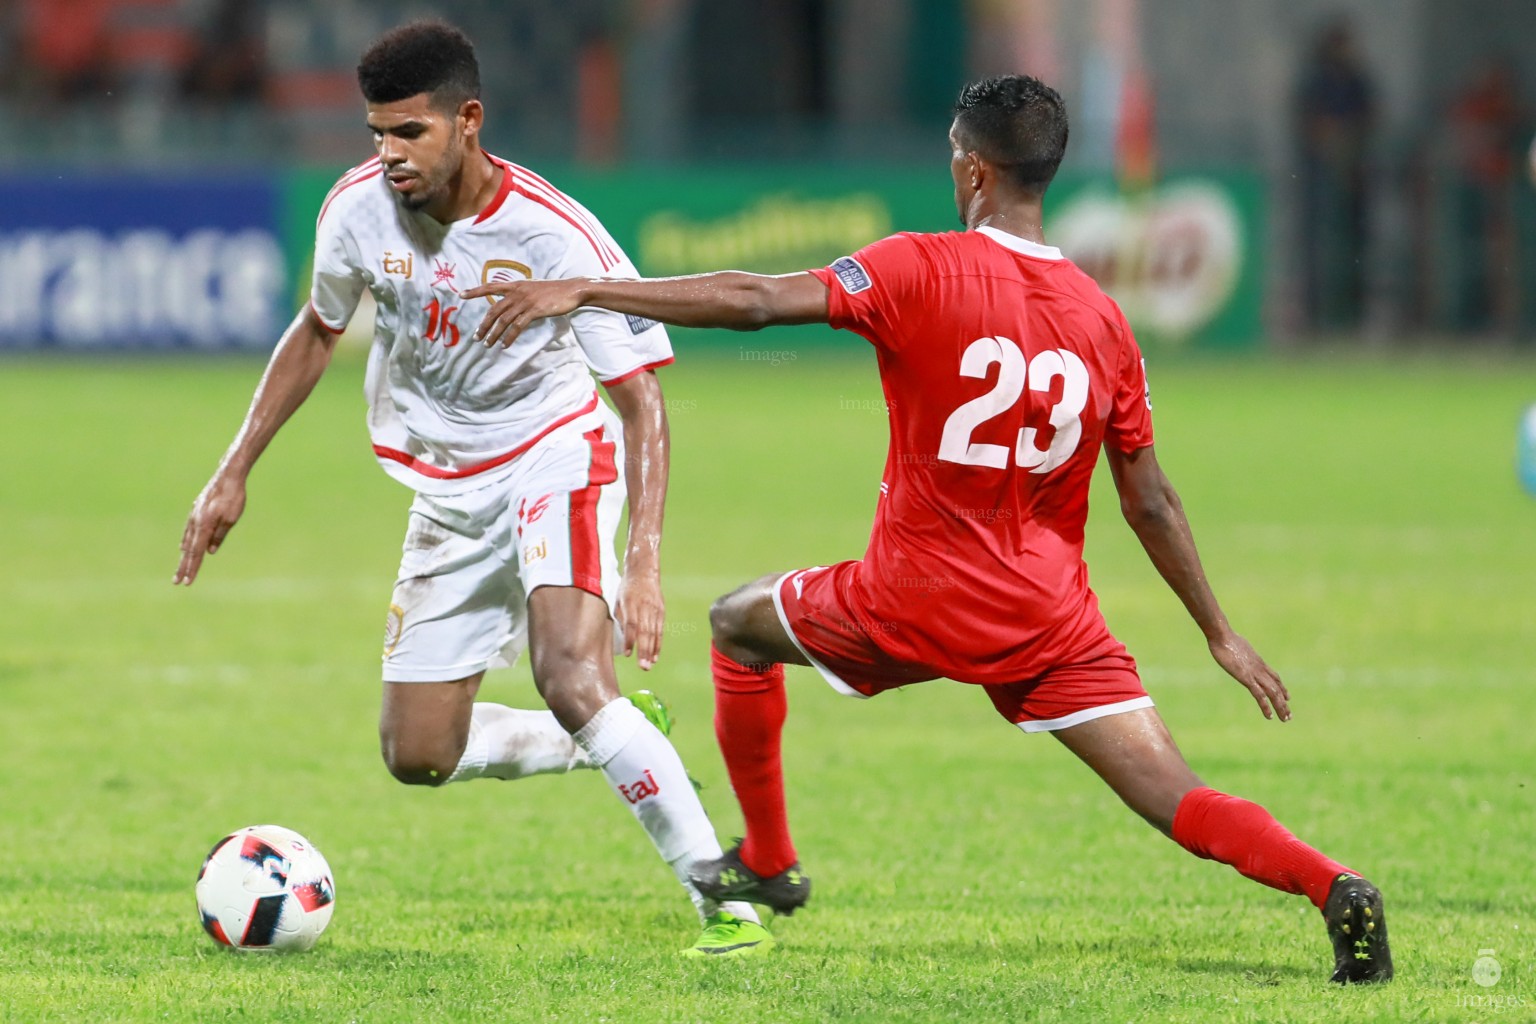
{"points": [[187, 143], [1330, 262]]}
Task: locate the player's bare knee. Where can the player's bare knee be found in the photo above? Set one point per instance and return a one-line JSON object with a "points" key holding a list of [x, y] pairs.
{"points": [[731, 619], [724, 620], [417, 767]]}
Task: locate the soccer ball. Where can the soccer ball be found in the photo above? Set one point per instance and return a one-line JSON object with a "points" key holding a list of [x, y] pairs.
{"points": [[265, 889]]}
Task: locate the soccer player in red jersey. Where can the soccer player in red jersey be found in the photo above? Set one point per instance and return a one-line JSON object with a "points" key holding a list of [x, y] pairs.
{"points": [[1005, 370]]}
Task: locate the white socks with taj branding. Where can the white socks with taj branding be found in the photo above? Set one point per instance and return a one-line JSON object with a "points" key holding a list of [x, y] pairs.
{"points": [[643, 768], [640, 764], [512, 743]]}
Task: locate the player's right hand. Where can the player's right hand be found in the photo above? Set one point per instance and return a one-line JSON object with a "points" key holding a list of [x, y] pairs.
{"points": [[214, 514], [519, 303], [1235, 654]]}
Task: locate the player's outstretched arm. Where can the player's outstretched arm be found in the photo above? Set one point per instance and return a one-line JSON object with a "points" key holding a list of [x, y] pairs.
{"points": [[647, 440], [1152, 508], [730, 299], [297, 363]]}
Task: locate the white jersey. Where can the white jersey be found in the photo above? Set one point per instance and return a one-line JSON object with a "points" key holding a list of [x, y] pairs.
{"points": [[445, 412]]}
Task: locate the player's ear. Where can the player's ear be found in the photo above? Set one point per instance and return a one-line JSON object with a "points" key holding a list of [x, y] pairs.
{"points": [[976, 170], [472, 113]]}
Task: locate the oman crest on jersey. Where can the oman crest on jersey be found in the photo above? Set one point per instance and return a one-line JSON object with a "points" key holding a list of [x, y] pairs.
{"points": [[503, 271]]}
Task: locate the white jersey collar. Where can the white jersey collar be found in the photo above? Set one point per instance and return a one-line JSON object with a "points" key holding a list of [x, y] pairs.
{"points": [[1021, 245]]}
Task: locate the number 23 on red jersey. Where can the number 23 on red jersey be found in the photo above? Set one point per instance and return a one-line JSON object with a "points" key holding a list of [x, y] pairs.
{"points": [[1015, 373]]}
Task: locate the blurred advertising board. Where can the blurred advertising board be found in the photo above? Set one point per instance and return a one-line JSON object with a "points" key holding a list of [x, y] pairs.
{"points": [[130, 262], [1183, 258], [221, 262], [693, 220]]}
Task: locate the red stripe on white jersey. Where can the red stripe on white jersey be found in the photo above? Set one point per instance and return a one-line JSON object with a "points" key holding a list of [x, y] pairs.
{"points": [[637, 371], [438, 473], [526, 193], [502, 191], [346, 183], [542, 184], [347, 178], [605, 467], [568, 207], [321, 320]]}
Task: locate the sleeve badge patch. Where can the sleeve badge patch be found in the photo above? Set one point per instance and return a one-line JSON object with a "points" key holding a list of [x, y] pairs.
{"points": [[852, 276], [639, 324]]}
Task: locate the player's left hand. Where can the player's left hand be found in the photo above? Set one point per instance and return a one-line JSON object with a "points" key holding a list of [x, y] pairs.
{"points": [[642, 614], [1243, 663], [519, 303]]}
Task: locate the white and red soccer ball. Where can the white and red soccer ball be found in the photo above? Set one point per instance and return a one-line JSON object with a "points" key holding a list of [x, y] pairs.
{"points": [[267, 889]]}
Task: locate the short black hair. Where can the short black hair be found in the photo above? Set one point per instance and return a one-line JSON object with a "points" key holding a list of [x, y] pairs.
{"points": [[1017, 123], [421, 56]]}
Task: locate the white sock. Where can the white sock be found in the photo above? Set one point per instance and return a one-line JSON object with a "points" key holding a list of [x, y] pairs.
{"points": [[511, 743], [644, 770]]}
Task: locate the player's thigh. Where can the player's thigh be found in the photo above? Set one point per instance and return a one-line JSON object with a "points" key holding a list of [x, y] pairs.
{"points": [[455, 604], [745, 625], [1135, 754], [570, 649]]}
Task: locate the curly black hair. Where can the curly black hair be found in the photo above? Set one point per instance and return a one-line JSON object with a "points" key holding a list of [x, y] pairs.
{"points": [[421, 57], [1017, 123]]}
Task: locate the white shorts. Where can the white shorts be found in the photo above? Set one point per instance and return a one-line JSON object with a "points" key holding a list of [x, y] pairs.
{"points": [[460, 604]]}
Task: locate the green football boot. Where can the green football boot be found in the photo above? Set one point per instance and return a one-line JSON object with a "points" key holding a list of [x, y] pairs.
{"points": [[656, 711], [725, 934], [653, 708]]}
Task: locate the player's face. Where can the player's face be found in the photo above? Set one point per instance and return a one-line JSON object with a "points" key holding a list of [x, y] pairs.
{"points": [[420, 145], [961, 166]]}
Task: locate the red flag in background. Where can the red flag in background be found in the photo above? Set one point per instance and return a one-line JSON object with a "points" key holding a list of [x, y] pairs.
{"points": [[1135, 135], [1136, 131]]}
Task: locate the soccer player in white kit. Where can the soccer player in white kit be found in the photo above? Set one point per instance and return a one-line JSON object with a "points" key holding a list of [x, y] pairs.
{"points": [[520, 469]]}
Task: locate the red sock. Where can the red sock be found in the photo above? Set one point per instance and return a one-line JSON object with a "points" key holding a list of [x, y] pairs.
{"points": [[750, 707], [1241, 833]]}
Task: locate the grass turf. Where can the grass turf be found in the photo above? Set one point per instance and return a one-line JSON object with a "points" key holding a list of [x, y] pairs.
{"points": [[1359, 518]]}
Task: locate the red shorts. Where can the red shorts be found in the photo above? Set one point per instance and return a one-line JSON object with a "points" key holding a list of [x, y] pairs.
{"points": [[840, 644]]}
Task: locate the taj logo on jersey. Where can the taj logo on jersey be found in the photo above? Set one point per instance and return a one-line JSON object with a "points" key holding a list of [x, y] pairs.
{"points": [[399, 266]]}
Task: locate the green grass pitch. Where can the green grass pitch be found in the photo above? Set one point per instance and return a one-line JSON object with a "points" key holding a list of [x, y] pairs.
{"points": [[1360, 520]]}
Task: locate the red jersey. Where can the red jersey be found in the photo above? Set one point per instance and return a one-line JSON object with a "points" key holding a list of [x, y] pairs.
{"points": [[1004, 369]]}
